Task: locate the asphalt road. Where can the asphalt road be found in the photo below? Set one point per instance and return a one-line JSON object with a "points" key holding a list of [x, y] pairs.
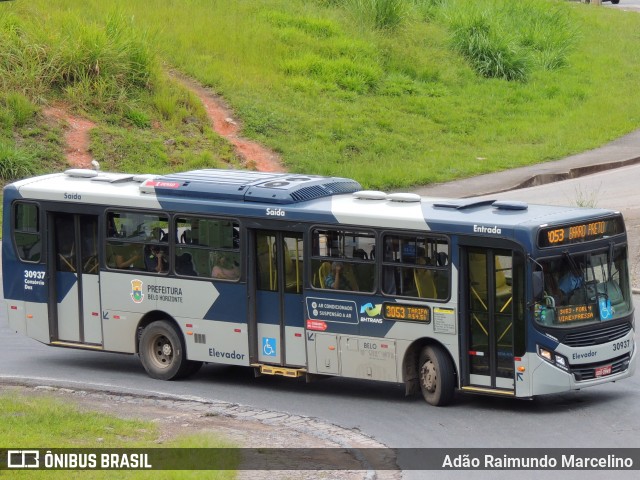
{"points": [[631, 5]]}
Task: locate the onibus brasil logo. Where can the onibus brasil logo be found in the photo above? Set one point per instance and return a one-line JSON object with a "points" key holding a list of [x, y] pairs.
{"points": [[136, 291]]}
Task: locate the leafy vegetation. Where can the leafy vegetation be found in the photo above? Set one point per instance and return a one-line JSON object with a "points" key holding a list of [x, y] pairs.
{"points": [[27, 146], [392, 93], [107, 70], [15, 163], [510, 40]]}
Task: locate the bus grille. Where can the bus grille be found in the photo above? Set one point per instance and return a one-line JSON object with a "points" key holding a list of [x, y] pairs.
{"points": [[588, 371], [597, 337]]}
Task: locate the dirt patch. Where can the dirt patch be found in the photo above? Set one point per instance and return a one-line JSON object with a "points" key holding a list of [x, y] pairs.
{"points": [[244, 426], [254, 155], [76, 135]]}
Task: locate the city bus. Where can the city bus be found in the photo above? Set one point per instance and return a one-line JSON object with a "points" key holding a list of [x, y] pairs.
{"points": [[307, 276]]}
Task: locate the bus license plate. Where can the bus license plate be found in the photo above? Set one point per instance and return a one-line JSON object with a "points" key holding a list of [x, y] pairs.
{"points": [[603, 371]]}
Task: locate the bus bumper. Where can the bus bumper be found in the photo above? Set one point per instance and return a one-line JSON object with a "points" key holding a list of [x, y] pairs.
{"points": [[547, 378]]}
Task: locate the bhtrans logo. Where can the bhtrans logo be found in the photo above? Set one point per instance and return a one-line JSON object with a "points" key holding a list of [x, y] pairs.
{"points": [[495, 230]]}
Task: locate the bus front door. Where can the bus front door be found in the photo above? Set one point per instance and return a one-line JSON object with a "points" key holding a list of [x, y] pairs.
{"points": [[74, 295], [279, 322], [488, 340]]}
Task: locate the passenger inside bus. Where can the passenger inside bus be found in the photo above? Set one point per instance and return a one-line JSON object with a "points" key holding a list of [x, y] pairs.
{"points": [[184, 265], [226, 267], [156, 258], [340, 278], [187, 236], [127, 256]]}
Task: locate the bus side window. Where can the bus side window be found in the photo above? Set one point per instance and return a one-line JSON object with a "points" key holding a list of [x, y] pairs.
{"points": [[207, 248], [26, 232], [415, 266], [341, 261]]}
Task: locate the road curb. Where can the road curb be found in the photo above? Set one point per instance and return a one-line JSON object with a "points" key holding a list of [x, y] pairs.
{"points": [[619, 153], [577, 172]]}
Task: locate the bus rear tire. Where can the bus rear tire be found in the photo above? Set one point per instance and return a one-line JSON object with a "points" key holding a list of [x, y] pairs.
{"points": [[162, 352], [437, 377]]}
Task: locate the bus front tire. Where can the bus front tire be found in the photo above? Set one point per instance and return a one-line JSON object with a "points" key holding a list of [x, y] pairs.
{"points": [[162, 352], [437, 377]]}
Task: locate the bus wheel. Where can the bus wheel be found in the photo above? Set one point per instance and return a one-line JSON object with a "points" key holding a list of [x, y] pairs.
{"points": [[437, 379], [162, 351]]}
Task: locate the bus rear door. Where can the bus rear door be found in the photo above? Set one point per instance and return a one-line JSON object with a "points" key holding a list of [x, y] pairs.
{"points": [[74, 295], [278, 318]]}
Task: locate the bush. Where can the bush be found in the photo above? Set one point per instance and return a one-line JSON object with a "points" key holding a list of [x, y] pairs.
{"points": [[96, 65], [25, 63], [380, 14], [19, 107], [490, 54], [138, 118], [503, 39], [15, 163]]}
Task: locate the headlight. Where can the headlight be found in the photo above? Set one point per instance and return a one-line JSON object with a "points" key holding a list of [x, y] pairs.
{"points": [[553, 358], [546, 354], [560, 361]]}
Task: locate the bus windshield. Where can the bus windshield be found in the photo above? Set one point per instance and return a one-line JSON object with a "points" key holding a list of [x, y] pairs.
{"points": [[584, 288]]}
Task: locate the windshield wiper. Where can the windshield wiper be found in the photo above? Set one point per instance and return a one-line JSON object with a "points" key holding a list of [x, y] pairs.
{"points": [[609, 261], [575, 269]]}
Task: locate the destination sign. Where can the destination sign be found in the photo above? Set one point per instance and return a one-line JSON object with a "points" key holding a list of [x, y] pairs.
{"points": [[580, 232], [576, 313], [400, 311]]}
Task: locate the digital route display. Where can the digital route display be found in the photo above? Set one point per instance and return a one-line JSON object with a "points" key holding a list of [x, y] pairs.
{"points": [[579, 232], [401, 311]]}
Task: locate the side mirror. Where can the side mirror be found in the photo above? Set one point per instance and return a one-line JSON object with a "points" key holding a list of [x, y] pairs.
{"points": [[537, 281]]}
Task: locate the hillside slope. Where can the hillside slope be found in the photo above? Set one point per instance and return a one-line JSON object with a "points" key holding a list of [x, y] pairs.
{"points": [[390, 92]]}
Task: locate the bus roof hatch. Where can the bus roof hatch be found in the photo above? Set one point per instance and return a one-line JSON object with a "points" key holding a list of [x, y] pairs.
{"points": [[242, 185]]}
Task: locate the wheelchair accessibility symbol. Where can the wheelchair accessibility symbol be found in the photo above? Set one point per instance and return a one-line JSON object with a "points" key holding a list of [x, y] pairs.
{"points": [[606, 311], [269, 347]]}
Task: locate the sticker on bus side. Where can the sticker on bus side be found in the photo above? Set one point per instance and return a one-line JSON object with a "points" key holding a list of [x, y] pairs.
{"points": [[33, 278], [332, 310]]}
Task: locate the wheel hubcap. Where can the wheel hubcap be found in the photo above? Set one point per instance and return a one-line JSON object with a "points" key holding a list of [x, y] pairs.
{"points": [[162, 351], [429, 377]]}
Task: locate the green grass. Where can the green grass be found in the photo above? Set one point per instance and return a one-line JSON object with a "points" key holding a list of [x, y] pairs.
{"points": [[28, 146], [391, 93], [46, 422]]}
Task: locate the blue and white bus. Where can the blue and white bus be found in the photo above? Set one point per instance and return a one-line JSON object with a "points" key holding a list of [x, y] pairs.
{"points": [[306, 276]]}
